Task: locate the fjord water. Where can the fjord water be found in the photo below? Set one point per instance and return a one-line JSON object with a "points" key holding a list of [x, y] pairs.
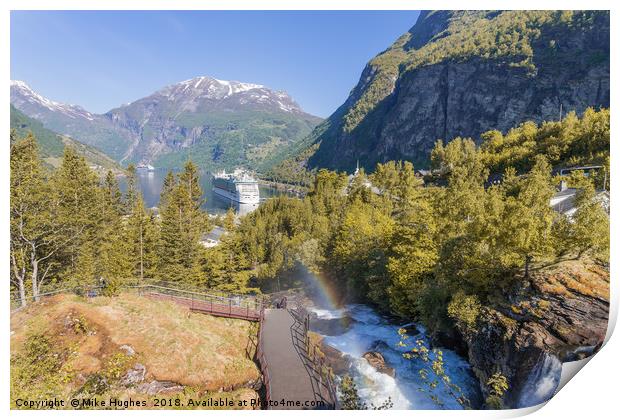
{"points": [[366, 331], [151, 183]]}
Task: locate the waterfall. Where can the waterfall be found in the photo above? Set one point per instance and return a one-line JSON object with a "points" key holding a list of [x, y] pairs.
{"points": [[541, 383]]}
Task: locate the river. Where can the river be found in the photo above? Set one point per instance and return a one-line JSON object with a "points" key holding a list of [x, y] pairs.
{"points": [[151, 183], [356, 329]]}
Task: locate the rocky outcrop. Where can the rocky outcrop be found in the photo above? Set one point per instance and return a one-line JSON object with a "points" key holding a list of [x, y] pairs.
{"points": [[159, 387], [559, 316], [135, 375], [376, 360]]}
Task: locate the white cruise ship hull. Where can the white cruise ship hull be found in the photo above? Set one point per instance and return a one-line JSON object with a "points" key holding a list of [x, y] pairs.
{"points": [[237, 197]]}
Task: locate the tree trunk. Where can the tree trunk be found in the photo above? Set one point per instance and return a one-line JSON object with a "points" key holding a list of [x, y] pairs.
{"points": [[35, 279], [22, 291], [20, 276], [528, 260], [141, 257]]}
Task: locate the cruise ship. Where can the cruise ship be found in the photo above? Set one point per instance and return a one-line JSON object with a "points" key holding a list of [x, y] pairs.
{"points": [[238, 186], [145, 167]]}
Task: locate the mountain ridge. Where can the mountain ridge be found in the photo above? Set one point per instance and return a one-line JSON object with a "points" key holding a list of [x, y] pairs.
{"points": [[52, 144], [219, 123]]}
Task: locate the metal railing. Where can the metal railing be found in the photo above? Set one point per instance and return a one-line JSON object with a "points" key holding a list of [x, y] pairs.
{"points": [[320, 371], [262, 360], [215, 302], [237, 306], [88, 291]]}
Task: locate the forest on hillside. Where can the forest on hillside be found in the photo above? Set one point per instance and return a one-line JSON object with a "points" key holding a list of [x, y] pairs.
{"points": [[427, 251]]}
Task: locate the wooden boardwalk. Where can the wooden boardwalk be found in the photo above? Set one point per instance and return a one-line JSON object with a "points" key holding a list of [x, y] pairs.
{"points": [[290, 381], [226, 310], [291, 377]]}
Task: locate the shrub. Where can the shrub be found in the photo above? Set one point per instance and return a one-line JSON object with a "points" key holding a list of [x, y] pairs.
{"points": [[464, 309]]}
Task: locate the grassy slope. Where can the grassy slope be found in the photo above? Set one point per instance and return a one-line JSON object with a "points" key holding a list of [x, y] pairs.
{"points": [[52, 144], [72, 342]]}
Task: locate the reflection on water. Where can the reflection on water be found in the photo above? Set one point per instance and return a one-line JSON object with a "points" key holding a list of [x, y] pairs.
{"points": [[152, 182]]}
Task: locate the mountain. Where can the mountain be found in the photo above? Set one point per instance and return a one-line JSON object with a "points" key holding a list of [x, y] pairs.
{"points": [[219, 124], [52, 145], [461, 73], [71, 120]]}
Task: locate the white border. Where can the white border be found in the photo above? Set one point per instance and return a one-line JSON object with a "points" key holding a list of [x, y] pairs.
{"points": [[592, 395]]}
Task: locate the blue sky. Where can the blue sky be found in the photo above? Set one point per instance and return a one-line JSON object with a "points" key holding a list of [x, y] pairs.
{"points": [[102, 59]]}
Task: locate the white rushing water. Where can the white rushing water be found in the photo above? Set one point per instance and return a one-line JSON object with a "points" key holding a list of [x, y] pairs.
{"points": [[541, 382], [366, 331]]}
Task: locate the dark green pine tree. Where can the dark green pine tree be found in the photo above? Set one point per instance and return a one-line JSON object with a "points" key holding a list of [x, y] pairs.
{"points": [[77, 195], [142, 237], [168, 185], [131, 195], [191, 179], [182, 225], [113, 261]]}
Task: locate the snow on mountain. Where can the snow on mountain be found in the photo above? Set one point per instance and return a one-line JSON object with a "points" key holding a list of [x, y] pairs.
{"points": [[191, 93], [210, 115], [22, 96]]}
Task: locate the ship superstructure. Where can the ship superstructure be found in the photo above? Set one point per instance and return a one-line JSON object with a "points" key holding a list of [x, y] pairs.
{"points": [[239, 186]]}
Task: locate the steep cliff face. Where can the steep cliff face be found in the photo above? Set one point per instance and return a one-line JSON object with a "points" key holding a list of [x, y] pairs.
{"points": [[559, 316], [462, 73]]}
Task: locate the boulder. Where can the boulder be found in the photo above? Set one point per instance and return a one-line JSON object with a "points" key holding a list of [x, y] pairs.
{"points": [[129, 351], [134, 375], [331, 327], [337, 360], [159, 387], [376, 360]]}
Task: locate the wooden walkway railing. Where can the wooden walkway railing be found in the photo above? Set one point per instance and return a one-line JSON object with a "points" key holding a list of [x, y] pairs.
{"points": [[213, 302]]}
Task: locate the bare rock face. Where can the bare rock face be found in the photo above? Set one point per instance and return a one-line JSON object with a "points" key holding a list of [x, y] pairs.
{"points": [[402, 110], [560, 315], [135, 375], [376, 360], [159, 387]]}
